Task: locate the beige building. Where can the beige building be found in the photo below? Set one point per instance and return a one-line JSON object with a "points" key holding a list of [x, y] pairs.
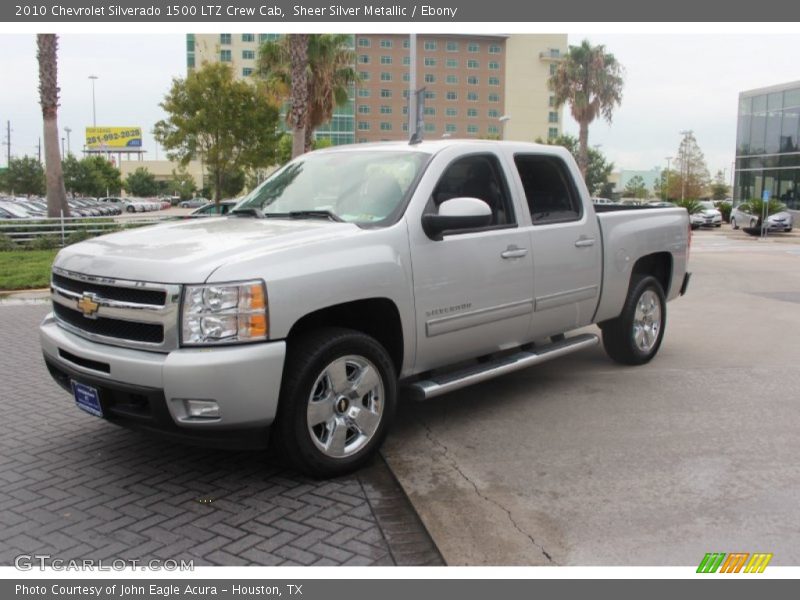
{"points": [[162, 169], [475, 86]]}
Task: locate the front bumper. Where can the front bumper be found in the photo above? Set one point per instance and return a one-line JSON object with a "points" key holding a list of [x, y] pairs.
{"points": [[147, 390]]}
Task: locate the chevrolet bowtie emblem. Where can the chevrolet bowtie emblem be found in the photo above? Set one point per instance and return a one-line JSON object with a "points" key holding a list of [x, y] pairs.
{"points": [[88, 306]]}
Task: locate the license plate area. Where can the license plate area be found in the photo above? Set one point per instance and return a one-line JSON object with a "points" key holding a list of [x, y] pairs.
{"points": [[87, 398]]}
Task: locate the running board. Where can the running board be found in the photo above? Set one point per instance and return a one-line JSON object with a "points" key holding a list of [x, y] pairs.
{"points": [[448, 382]]}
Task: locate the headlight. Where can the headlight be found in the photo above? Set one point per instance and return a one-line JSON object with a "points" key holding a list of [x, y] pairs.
{"points": [[224, 313]]}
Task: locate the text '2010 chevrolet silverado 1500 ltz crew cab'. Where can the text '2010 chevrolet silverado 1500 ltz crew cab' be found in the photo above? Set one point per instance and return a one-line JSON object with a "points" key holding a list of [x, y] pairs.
{"points": [[350, 272]]}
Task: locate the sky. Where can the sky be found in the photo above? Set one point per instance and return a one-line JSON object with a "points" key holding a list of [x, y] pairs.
{"points": [[673, 82]]}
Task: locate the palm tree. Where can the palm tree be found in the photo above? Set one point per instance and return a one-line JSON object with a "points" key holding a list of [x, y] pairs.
{"points": [[47, 44], [298, 58], [590, 79], [330, 73]]}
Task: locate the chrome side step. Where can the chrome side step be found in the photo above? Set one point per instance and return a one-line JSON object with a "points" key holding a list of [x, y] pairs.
{"points": [[448, 382]]}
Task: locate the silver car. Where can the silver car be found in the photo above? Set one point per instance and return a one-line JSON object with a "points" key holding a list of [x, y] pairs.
{"points": [[742, 216], [708, 216]]}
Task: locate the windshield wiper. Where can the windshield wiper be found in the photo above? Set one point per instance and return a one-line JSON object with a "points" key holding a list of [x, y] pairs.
{"points": [[306, 214], [248, 212]]}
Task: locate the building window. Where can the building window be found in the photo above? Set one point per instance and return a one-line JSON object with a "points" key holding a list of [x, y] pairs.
{"points": [[386, 76], [363, 125], [363, 59], [451, 63], [248, 37], [430, 44], [551, 101], [363, 75], [472, 112], [553, 68], [495, 49], [430, 111], [472, 96], [493, 113], [452, 47], [406, 43], [386, 93], [406, 76], [451, 95], [268, 37], [386, 60], [247, 71], [494, 97], [472, 80], [386, 43], [430, 78], [430, 95], [494, 65], [493, 130], [451, 112], [430, 62], [430, 127], [363, 92], [248, 54], [473, 47], [552, 132], [405, 109], [363, 109], [451, 79], [405, 126], [450, 128], [472, 129], [386, 109], [225, 56], [364, 43], [190, 42], [473, 64], [406, 61], [494, 81], [386, 126], [552, 117], [405, 94], [190, 62], [225, 39]]}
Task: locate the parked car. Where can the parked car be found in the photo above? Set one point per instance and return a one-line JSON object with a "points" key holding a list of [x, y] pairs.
{"points": [[348, 273], [707, 216], [212, 209], [124, 204], [17, 210], [598, 200], [193, 203], [742, 216], [660, 204]]}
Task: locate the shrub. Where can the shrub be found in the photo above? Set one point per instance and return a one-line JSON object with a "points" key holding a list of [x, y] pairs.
{"points": [[691, 205], [44, 242], [79, 235], [725, 209], [6, 243]]}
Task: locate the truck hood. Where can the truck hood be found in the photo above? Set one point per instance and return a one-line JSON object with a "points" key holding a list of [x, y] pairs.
{"points": [[189, 251]]}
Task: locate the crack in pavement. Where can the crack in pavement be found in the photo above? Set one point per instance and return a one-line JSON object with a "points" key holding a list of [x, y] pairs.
{"points": [[457, 468]]}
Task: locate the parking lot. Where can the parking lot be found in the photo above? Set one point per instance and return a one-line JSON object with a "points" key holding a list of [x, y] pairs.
{"points": [[584, 462], [575, 462]]}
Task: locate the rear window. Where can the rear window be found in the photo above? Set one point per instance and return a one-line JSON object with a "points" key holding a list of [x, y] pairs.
{"points": [[549, 191]]}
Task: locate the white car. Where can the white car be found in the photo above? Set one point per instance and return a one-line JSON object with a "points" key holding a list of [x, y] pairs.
{"points": [[708, 216], [742, 216]]}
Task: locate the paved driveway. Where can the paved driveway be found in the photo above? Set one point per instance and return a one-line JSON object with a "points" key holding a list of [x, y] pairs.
{"points": [[584, 462], [75, 487]]}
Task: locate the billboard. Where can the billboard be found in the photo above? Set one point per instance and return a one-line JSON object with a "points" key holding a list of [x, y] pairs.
{"points": [[112, 138]]}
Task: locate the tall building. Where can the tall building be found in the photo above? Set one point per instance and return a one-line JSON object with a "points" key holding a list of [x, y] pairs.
{"points": [[767, 148], [475, 86]]}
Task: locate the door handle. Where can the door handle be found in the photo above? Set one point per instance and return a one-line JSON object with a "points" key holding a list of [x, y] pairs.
{"points": [[584, 242], [514, 252]]}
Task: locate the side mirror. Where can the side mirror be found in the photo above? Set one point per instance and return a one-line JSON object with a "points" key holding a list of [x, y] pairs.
{"points": [[455, 214]]}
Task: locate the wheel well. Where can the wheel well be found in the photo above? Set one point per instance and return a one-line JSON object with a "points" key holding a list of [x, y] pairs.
{"points": [[376, 317], [659, 265]]}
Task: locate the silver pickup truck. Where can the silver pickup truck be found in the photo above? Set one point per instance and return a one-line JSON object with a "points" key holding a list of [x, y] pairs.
{"points": [[350, 273]]}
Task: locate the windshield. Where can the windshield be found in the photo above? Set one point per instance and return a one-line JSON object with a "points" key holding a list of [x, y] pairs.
{"points": [[353, 186], [707, 205]]}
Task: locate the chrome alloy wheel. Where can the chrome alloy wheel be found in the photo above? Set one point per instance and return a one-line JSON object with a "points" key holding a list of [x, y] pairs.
{"points": [[345, 406], [647, 321]]}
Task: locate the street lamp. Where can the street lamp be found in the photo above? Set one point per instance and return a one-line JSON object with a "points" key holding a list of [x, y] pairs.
{"points": [[68, 131], [62, 147], [503, 120], [666, 179], [94, 106]]}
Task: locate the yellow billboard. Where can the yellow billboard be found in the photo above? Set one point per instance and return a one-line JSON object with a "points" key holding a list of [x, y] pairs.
{"points": [[112, 138]]}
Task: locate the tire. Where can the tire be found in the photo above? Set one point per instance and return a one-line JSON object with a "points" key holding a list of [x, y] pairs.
{"points": [[626, 338], [718, 225], [733, 224], [326, 426], [753, 223], [130, 209], [788, 230]]}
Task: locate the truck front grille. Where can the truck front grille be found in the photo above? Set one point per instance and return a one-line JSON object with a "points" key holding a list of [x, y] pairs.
{"points": [[120, 312]]}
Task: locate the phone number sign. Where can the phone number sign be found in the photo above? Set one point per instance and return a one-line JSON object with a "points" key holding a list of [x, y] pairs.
{"points": [[102, 138]]}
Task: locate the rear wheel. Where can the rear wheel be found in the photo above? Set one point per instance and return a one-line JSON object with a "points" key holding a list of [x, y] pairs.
{"points": [[635, 336], [337, 399], [130, 208]]}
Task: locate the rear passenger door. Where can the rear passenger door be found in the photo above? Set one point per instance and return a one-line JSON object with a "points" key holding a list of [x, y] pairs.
{"points": [[565, 246]]}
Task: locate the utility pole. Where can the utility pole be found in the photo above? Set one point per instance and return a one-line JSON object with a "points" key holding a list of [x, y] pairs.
{"points": [[68, 131], [8, 142], [684, 167], [666, 179], [94, 106]]}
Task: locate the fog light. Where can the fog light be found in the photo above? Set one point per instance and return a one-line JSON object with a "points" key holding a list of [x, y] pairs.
{"points": [[201, 409]]}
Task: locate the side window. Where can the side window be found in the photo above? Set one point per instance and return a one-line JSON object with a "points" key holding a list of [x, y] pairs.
{"points": [[477, 176], [549, 190]]}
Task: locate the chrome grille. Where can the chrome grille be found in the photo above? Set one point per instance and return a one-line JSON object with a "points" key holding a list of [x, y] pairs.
{"points": [[132, 314]]}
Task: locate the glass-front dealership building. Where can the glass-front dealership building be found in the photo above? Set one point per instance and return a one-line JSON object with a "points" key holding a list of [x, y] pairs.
{"points": [[767, 152]]}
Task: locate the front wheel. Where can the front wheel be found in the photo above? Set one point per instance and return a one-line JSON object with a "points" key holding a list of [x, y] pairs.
{"points": [[635, 336], [733, 224], [337, 399]]}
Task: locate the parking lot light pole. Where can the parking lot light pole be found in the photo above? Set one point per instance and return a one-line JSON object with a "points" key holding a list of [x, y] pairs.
{"points": [[503, 121], [67, 130], [94, 105], [666, 179]]}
